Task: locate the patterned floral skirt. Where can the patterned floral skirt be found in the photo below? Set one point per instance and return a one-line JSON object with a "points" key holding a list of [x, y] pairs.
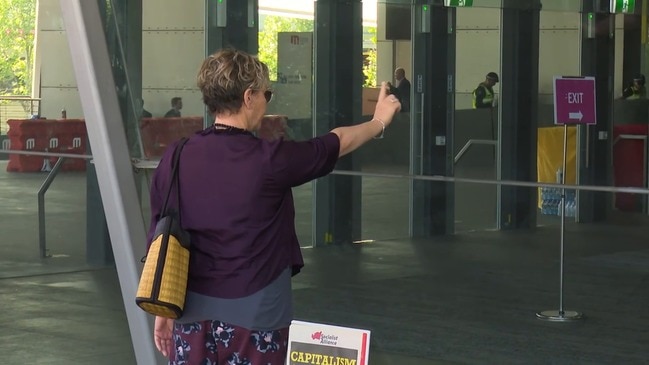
{"points": [[219, 343]]}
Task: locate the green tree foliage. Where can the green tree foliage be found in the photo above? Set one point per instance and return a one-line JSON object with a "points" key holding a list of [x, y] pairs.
{"points": [[369, 61], [17, 24], [271, 25]]}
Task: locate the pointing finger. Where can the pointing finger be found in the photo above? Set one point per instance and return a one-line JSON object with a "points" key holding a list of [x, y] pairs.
{"points": [[384, 91]]}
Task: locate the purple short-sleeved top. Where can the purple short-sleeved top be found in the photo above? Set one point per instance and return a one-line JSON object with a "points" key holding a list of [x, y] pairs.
{"points": [[236, 201]]}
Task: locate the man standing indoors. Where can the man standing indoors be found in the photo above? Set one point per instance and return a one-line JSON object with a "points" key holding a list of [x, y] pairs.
{"points": [[483, 95], [176, 105], [402, 88]]}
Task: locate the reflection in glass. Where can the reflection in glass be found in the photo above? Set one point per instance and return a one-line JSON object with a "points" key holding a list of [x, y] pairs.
{"points": [[475, 127], [39, 96], [286, 47]]}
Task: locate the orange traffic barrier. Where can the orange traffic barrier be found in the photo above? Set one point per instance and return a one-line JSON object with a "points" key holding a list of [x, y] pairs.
{"points": [[273, 127], [158, 133], [46, 135], [629, 169]]}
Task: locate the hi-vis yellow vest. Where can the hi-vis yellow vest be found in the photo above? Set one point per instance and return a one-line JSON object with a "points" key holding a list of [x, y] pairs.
{"points": [[638, 94], [488, 97]]}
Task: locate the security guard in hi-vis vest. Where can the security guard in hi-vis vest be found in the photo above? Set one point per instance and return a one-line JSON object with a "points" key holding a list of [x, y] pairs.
{"points": [[483, 95], [636, 90]]}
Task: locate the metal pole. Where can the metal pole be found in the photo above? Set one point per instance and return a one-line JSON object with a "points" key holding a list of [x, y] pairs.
{"points": [[107, 137], [42, 239], [561, 315], [645, 175], [563, 216]]}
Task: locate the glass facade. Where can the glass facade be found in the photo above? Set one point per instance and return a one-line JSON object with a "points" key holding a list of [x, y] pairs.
{"points": [[444, 169]]}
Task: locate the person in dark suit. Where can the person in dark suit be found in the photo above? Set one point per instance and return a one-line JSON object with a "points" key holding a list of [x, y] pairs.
{"points": [[176, 105], [402, 89], [145, 113]]}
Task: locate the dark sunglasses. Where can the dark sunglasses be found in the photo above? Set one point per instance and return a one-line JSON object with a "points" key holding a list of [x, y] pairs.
{"points": [[268, 95]]}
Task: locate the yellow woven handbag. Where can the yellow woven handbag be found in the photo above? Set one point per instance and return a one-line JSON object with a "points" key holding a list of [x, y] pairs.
{"points": [[163, 283]]}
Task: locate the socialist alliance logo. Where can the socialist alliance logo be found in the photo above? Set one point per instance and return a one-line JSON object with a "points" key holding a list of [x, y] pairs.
{"points": [[323, 339]]}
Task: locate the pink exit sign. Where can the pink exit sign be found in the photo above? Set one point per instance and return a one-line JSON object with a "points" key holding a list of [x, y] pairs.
{"points": [[574, 100]]}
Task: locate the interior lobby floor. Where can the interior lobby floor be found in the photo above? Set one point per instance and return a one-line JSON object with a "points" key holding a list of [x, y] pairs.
{"points": [[470, 298]]}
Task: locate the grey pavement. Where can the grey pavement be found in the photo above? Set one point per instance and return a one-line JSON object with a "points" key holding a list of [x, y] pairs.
{"points": [[464, 299]]}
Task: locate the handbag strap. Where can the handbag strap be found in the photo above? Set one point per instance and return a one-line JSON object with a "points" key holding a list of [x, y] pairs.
{"points": [[175, 162]]}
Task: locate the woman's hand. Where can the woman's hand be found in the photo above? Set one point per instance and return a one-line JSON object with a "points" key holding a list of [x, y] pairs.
{"points": [[162, 334], [354, 136], [387, 105]]}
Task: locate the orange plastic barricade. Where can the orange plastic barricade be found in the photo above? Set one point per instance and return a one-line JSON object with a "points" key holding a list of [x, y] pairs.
{"points": [[28, 135], [158, 133], [46, 135], [273, 127], [629, 165], [71, 134]]}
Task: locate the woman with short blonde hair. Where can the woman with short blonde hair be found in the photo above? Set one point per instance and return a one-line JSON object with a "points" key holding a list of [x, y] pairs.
{"points": [[236, 202]]}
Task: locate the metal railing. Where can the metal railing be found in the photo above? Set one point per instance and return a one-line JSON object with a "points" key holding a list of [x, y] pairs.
{"points": [[17, 107], [472, 142], [152, 164], [52, 173]]}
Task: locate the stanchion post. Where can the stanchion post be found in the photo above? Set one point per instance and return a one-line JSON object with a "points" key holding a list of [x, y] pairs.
{"points": [[561, 315]]}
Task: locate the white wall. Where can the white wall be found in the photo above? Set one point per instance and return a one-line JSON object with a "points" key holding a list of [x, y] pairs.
{"points": [[173, 47], [385, 61], [559, 50], [403, 58], [58, 87], [478, 51]]}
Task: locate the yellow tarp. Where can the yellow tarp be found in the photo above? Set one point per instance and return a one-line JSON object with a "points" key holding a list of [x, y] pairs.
{"points": [[549, 155]]}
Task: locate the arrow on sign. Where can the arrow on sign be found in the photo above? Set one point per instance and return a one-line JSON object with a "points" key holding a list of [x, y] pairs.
{"points": [[578, 115]]}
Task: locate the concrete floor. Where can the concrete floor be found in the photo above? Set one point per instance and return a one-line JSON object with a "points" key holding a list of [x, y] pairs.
{"points": [[466, 299]]}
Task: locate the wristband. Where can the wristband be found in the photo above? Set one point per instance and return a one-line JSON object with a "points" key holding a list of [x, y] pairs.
{"points": [[380, 136]]}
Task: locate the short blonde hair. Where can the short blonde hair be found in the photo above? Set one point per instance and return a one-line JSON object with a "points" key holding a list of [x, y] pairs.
{"points": [[226, 75]]}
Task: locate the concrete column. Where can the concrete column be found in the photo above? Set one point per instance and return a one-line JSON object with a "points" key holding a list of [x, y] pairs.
{"points": [[595, 143], [432, 203], [516, 157], [338, 94]]}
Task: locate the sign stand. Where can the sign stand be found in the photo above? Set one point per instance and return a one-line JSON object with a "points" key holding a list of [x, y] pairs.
{"points": [[561, 315], [574, 103]]}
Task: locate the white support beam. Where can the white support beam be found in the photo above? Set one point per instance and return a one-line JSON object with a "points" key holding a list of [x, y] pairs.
{"points": [[107, 138]]}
